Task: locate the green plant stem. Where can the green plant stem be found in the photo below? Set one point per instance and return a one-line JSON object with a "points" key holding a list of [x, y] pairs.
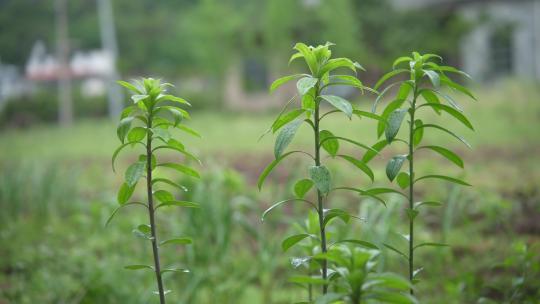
{"points": [[151, 210], [324, 266], [411, 188]]}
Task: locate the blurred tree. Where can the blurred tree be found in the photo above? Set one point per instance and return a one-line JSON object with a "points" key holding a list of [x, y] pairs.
{"points": [[204, 37]]}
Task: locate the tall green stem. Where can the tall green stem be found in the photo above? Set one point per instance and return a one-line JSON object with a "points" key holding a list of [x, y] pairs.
{"points": [[151, 210], [324, 266], [411, 187]]}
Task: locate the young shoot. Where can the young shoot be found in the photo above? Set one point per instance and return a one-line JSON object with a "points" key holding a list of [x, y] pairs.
{"points": [[147, 124], [417, 94], [313, 106]]}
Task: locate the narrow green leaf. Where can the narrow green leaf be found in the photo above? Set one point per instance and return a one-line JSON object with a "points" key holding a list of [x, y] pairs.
{"points": [[431, 244], [181, 150], [302, 187], [293, 240], [447, 131], [308, 55], [181, 168], [169, 182], [117, 151], [161, 133], [365, 244], [404, 91], [271, 167], [329, 142], [163, 196], [390, 108], [177, 115], [285, 137], [394, 123], [185, 204], [138, 266], [123, 128], [335, 63], [456, 114], [128, 86], [411, 214], [134, 173], [308, 102], [433, 77], [177, 241], [382, 94], [401, 60], [360, 113], [321, 177], [176, 144], [281, 81], [339, 103], [174, 98], [427, 57], [450, 101], [444, 177], [144, 228], [457, 87], [431, 98], [387, 76], [145, 236], [375, 149], [189, 130], [377, 191], [139, 99], [118, 209], [330, 214], [361, 145], [284, 202], [284, 119], [427, 203], [125, 193], [394, 249], [305, 84], [136, 134], [403, 180], [451, 156], [394, 165], [346, 80], [450, 69], [360, 165], [177, 270]]}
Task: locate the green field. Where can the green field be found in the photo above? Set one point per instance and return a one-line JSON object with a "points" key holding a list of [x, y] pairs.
{"points": [[57, 190]]}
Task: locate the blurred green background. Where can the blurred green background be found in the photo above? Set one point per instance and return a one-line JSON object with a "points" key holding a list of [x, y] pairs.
{"points": [[57, 188]]}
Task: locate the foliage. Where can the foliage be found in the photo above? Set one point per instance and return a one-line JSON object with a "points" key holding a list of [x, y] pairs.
{"points": [[147, 123], [425, 80], [312, 95], [355, 279], [42, 108]]}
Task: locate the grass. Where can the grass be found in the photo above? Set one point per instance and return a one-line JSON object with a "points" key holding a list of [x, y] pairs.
{"points": [[504, 166], [505, 118]]}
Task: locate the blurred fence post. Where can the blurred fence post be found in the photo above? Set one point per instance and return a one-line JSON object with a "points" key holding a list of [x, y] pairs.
{"points": [[109, 43], [65, 102]]}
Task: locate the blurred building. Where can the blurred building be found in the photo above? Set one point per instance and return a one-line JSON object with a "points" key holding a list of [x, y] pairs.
{"points": [[12, 83], [504, 40], [91, 67]]}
